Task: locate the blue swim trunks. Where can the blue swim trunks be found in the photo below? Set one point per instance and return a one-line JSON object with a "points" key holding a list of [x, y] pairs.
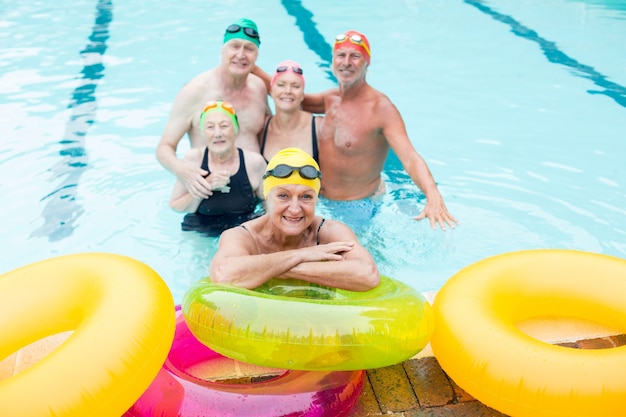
{"points": [[356, 214]]}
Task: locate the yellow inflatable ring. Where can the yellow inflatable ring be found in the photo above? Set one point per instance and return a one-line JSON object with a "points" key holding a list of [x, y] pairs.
{"points": [[295, 325], [477, 343], [122, 316]]}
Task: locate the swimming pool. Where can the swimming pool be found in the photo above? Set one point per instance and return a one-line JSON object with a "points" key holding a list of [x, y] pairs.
{"points": [[519, 108]]}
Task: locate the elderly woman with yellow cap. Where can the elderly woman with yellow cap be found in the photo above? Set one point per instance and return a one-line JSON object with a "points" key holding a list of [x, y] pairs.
{"points": [[234, 176], [290, 241]]}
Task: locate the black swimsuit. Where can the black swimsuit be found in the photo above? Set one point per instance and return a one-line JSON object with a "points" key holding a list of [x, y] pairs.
{"points": [[221, 210], [313, 140]]}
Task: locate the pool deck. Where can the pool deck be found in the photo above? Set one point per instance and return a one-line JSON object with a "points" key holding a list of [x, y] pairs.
{"points": [[420, 388], [417, 387]]}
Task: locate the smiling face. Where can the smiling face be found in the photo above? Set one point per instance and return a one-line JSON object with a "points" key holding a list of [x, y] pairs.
{"points": [[288, 91], [219, 130], [291, 208], [239, 56], [349, 65]]}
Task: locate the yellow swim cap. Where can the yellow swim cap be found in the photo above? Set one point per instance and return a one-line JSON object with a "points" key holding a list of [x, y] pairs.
{"points": [[292, 166]]}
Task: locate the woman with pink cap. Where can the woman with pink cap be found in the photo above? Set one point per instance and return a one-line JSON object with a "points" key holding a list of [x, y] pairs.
{"points": [[290, 126], [290, 241]]}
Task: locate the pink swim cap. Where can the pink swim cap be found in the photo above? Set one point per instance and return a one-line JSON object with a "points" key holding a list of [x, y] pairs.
{"points": [[355, 40], [288, 66]]}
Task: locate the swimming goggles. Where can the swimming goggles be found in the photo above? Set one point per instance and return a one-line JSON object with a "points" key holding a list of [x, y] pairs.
{"points": [[295, 69], [225, 105], [355, 39], [252, 33], [283, 171]]}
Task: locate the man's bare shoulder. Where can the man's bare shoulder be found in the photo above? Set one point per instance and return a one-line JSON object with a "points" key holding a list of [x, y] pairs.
{"points": [[331, 93], [319, 103], [201, 80], [376, 95], [381, 103], [193, 91], [255, 82]]}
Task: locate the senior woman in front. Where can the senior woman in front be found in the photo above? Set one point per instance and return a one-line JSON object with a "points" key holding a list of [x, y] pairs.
{"points": [[290, 241]]}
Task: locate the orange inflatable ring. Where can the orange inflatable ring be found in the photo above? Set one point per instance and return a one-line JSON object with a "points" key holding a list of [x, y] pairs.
{"points": [[477, 343], [122, 317]]}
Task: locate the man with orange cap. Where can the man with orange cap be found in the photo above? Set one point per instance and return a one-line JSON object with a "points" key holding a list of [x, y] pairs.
{"points": [[230, 81], [289, 240], [360, 127]]}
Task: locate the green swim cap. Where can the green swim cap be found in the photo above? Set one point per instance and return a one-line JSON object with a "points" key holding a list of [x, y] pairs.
{"points": [[223, 106], [243, 29]]}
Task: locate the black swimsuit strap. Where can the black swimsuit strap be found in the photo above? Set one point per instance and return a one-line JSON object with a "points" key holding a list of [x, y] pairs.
{"points": [[314, 141], [317, 237], [205, 162], [267, 125]]}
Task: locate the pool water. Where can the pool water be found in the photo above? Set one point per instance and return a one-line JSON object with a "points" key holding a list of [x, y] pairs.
{"points": [[519, 108]]}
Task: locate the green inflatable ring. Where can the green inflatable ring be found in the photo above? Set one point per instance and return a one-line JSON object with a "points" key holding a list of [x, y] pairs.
{"points": [[296, 325]]}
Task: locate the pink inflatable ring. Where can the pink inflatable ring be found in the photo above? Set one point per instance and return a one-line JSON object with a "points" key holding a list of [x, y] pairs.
{"points": [[177, 393]]}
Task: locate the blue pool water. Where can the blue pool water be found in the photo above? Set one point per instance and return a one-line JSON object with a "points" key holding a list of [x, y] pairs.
{"points": [[519, 108]]}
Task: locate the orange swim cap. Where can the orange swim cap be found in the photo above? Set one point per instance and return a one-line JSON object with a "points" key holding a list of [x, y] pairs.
{"points": [[355, 40]]}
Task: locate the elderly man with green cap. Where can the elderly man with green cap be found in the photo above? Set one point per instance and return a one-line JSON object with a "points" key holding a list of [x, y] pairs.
{"points": [[230, 81]]}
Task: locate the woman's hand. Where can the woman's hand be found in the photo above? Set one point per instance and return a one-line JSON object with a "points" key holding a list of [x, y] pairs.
{"points": [[328, 252], [219, 181]]}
